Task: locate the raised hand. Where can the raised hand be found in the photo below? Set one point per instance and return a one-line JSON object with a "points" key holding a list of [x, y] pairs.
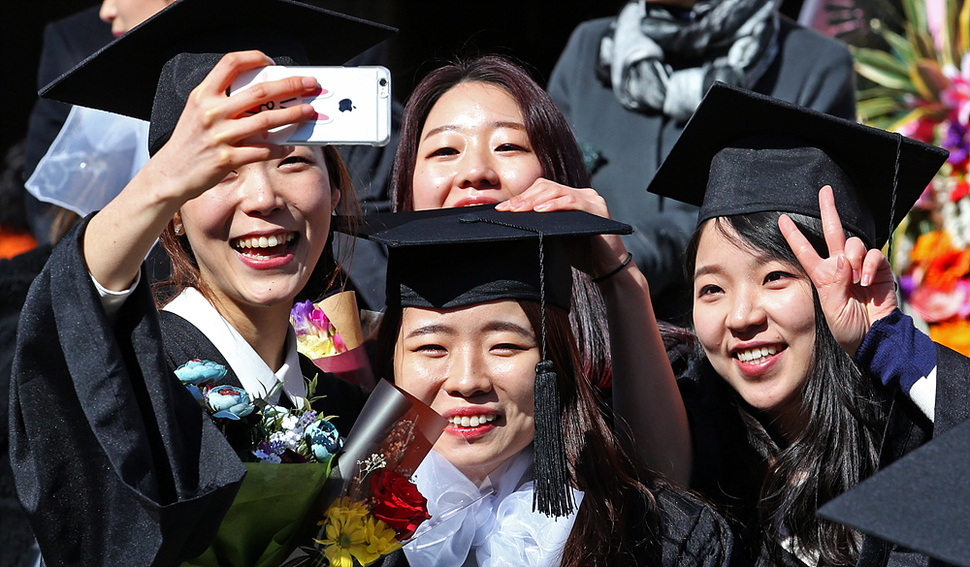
{"points": [[605, 253], [855, 285], [214, 135]]}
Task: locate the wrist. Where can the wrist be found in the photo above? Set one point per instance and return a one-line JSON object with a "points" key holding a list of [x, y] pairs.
{"points": [[616, 270]]}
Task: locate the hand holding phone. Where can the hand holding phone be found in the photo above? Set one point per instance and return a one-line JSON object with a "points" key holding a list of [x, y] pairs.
{"points": [[353, 105]]}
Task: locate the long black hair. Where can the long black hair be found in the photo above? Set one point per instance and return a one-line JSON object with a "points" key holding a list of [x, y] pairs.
{"points": [[841, 412]]}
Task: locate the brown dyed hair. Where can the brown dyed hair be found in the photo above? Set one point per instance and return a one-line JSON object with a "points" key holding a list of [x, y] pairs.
{"points": [[185, 268]]}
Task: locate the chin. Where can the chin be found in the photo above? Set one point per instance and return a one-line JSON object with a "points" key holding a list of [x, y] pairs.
{"points": [[768, 401]]}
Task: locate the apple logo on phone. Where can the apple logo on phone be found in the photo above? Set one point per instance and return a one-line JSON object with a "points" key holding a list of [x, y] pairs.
{"points": [[346, 105]]}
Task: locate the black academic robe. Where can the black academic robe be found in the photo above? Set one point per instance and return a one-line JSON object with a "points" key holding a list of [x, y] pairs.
{"points": [[691, 534], [115, 462], [728, 470]]}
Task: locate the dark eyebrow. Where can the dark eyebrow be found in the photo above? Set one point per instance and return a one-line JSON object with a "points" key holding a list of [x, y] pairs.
{"points": [[492, 326], [510, 327], [430, 330], [708, 269], [452, 127]]}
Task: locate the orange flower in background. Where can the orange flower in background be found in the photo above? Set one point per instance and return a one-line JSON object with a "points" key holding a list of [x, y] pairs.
{"points": [[943, 263], [953, 334], [14, 242]]}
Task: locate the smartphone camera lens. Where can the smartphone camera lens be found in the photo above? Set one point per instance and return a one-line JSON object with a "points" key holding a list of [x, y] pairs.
{"points": [[382, 82]]}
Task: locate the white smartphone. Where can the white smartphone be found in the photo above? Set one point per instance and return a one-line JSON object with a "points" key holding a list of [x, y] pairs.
{"points": [[353, 105]]}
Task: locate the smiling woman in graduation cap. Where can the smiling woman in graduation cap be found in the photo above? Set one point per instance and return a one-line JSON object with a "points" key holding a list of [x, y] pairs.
{"points": [[528, 472], [807, 378], [114, 461]]}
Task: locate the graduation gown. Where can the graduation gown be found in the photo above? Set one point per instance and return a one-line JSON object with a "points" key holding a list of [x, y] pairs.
{"points": [[115, 462], [691, 535], [729, 471]]}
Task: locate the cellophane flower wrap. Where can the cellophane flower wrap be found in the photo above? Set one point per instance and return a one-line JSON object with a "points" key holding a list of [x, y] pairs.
{"points": [[287, 453], [919, 85], [329, 333], [372, 506]]}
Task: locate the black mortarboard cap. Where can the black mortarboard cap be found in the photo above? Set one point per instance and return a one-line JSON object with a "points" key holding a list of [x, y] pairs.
{"points": [[456, 257], [459, 257], [921, 502], [173, 50], [743, 152]]}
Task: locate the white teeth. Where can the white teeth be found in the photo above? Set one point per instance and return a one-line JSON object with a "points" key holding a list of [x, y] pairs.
{"points": [[754, 354], [265, 241], [471, 421]]}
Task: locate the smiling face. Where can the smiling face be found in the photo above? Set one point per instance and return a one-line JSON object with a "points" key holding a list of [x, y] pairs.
{"points": [[476, 367], [755, 318], [473, 149], [126, 14], [258, 234]]}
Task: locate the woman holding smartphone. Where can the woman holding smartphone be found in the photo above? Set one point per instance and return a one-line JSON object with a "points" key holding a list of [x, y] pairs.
{"points": [[114, 461]]}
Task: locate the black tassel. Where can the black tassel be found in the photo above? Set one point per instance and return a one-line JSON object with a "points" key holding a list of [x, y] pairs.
{"points": [[552, 495]]}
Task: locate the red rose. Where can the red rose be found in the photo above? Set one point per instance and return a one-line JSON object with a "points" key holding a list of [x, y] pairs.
{"points": [[398, 503]]}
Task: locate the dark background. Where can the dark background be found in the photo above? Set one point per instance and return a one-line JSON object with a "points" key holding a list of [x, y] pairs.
{"points": [[534, 32]]}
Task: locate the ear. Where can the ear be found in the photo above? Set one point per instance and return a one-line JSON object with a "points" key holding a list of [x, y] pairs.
{"points": [[335, 195]]}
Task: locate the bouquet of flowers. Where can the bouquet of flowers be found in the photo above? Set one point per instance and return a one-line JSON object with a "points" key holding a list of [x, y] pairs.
{"points": [[258, 430], [920, 87], [365, 504], [374, 507], [277, 500], [329, 333]]}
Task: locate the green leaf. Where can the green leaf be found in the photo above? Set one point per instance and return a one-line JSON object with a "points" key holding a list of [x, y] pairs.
{"points": [[915, 11], [899, 44], [877, 92], [877, 107], [883, 69]]}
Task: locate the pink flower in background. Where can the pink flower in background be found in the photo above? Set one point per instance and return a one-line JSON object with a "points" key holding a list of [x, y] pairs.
{"points": [[934, 305]]}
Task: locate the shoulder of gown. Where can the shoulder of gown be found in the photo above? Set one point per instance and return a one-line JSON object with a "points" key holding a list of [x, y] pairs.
{"points": [[693, 534], [114, 461]]}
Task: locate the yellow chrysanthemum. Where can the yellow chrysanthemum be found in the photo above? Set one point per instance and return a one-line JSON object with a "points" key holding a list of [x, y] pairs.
{"points": [[347, 534], [381, 540]]}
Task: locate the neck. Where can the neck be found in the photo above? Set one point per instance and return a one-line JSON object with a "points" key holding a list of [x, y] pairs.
{"points": [[263, 327], [784, 424]]}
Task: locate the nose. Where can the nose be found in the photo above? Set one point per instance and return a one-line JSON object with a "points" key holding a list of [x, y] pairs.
{"points": [[108, 11], [467, 375], [257, 193], [747, 315], [477, 171]]}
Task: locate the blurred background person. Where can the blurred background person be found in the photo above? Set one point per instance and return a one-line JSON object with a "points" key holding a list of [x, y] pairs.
{"points": [[629, 83]]}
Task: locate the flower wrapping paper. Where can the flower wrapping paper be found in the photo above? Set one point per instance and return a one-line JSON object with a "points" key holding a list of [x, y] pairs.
{"points": [[353, 364]]}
